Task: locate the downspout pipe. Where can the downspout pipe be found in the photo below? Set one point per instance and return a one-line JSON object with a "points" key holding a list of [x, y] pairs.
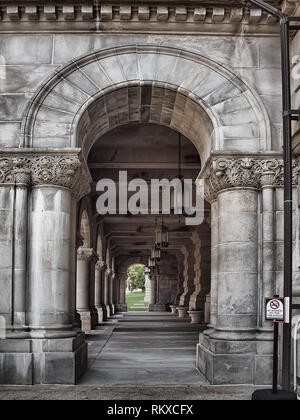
{"points": [[287, 158]]}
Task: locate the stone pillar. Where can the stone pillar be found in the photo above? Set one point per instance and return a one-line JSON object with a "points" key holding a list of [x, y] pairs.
{"points": [[153, 292], [122, 307], [236, 349], [84, 256], [49, 349], [22, 178], [188, 251], [107, 277], [147, 288], [238, 265], [268, 282], [180, 279], [214, 264], [112, 292], [99, 269]]}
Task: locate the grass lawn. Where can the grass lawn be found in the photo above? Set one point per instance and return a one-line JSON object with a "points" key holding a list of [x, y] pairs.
{"points": [[135, 301]]}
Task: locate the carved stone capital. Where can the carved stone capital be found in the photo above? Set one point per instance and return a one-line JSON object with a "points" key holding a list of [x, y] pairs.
{"points": [[108, 272], [32, 168], [14, 170], [64, 171], [84, 254], [100, 265], [245, 172]]}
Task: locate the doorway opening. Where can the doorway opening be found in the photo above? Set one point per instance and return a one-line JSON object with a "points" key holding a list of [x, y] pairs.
{"points": [[137, 298]]}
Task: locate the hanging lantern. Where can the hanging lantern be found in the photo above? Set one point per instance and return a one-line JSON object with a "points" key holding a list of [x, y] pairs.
{"points": [[147, 270], [156, 254], [162, 237], [151, 263]]}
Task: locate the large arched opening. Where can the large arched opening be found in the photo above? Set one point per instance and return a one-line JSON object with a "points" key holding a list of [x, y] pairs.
{"points": [[146, 98]]}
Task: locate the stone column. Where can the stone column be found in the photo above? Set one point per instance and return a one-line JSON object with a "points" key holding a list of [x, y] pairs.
{"points": [[15, 177], [107, 292], [188, 251], [58, 181], [147, 288], [22, 179], [122, 307], [112, 292], [235, 349], [214, 265], [99, 269], [180, 279], [238, 265], [153, 292], [267, 286], [39, 291], [84, 256]]}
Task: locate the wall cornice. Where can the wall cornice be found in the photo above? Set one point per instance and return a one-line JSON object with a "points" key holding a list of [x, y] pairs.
{"points": [[125, 16]]}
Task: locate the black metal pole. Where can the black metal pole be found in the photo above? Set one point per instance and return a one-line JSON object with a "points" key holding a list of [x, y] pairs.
{"points": [[288, 197], [287, 158], [275, 359]]}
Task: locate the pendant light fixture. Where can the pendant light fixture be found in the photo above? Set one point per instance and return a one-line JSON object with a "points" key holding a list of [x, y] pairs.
{"points": [[151, 263], [162, 236], [156, 254]]}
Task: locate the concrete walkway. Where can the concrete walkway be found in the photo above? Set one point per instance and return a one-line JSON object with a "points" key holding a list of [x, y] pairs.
{"points": [[138, 356], [146, 349]]}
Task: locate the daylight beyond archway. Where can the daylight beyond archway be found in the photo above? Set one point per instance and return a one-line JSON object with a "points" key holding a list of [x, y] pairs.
{"points": [[136, 299]]}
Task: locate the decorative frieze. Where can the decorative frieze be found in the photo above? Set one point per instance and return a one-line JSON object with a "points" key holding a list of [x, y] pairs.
{"points": [[38, 169], [244, 172], [117, 12]]}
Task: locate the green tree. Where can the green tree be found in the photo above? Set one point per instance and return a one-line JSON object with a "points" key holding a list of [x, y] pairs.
{"points": [[136, 277]]}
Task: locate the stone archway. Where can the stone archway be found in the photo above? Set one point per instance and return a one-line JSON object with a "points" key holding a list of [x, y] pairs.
{"points": [[196, 85], [122, 269], [183, 91]]}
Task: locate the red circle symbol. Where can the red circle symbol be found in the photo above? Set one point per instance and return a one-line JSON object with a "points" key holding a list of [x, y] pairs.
{"points": [[274, 304]]}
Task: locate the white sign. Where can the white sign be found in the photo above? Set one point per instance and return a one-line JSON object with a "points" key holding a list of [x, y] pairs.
{"points": [[275, 310]]}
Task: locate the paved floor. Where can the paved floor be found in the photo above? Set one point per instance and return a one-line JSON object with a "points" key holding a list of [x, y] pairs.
{"points": [[138, 356], [144, 349]]}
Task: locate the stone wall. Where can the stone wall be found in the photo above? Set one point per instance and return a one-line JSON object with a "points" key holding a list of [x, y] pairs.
{"points": [[27, 60]]}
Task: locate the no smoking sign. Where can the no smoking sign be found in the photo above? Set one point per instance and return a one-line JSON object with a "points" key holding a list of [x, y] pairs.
{"points": [[276, 309]]}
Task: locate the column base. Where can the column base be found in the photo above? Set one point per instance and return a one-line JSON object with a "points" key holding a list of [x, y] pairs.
{"points": [[121, 307], [94, 315], [235, 362], [100, 314], [157, 307], [39, 361], [108, 311], [86, 320]]}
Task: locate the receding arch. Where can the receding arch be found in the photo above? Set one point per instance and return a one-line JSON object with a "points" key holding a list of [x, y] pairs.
{"points": [[236, 113]]}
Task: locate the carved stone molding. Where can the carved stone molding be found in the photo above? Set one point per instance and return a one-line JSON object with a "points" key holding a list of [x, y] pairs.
{"points": [[39, 169], [120, 12], [84, 254], [244, 172]]}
